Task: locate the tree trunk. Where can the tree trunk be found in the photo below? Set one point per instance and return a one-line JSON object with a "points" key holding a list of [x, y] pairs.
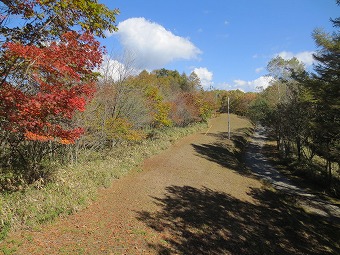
{"points": [[298, 147]]}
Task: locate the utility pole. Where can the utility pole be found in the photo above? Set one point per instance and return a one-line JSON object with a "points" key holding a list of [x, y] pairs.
{"points": [[228, 121]]}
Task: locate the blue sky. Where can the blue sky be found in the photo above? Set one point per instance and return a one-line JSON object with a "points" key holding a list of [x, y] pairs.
{"points": [[228, 43]]}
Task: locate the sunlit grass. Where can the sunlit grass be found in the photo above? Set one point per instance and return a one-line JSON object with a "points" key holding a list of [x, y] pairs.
{"points": [[75, 186]]}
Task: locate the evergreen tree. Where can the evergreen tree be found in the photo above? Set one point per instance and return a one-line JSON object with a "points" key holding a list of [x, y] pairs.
{"points": [[325, 91]]}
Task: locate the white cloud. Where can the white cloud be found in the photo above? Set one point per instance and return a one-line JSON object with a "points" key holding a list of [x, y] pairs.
{"points": [[223, 86], [107, 33], [117, 69], [258, 84], [205, 76], [259, 70], [153, 45], [305, 57], [261, 82], [240, 82]]}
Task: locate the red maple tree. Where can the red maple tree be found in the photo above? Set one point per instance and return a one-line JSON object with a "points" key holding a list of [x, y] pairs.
{"points": [[46, 85]]}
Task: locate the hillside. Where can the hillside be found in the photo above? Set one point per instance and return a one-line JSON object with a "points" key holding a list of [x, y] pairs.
{"points": [[196, 197]]}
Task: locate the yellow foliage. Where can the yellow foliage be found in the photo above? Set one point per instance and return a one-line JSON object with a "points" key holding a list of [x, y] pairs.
{"points": [[159, 109], [121, 128]]}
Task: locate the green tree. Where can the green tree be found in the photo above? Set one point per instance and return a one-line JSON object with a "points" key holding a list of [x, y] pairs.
{"points": [[284, 99], [325, 92], [282, 71], [194, 82], [48, 19], [258, 110]]}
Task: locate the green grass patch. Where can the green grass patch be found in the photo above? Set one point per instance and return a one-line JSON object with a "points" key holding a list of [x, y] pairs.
{"points": [[75, 186], [8, 251]]}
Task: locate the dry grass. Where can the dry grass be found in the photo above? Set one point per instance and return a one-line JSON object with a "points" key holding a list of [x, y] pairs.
{"points": [[75, 186]]}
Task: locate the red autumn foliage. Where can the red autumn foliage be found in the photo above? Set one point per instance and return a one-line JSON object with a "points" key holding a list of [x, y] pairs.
{"points": [[47, 85]]}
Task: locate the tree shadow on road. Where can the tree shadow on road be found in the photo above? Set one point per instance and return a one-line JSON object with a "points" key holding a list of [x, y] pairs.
{"points": [[205, 221], [225, 152]]}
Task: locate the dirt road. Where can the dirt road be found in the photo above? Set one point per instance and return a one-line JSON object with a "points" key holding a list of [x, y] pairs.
{"points": [[194, 198]]}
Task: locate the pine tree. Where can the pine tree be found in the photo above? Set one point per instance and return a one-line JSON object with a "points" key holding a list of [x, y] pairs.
{"points": [[325, 90]]}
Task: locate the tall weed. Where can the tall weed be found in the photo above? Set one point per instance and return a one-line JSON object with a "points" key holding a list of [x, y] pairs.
{"points": [[75, 186]]}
